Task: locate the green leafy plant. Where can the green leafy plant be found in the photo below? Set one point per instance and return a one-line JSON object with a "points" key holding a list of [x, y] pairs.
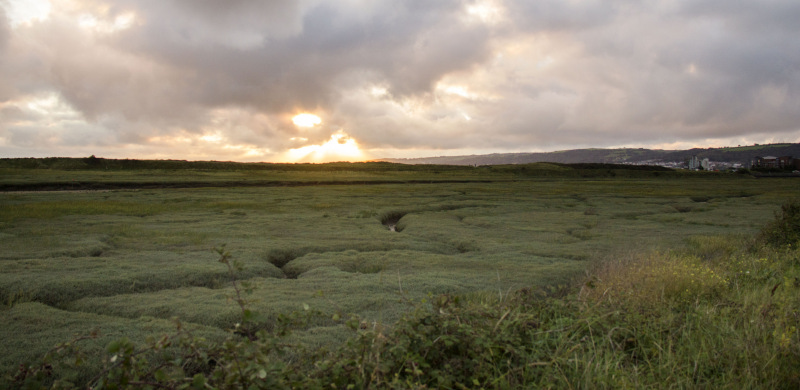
{"points": [[785, 229]]}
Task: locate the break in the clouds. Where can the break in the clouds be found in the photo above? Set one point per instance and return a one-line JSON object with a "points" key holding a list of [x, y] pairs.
{"points": [[203, 79]]}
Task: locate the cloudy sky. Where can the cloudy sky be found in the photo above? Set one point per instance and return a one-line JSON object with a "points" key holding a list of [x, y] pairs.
{"points": [[229, 80]]}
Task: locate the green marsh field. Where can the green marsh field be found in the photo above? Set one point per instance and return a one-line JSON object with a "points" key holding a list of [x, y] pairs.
{"points": [[106, 252]]}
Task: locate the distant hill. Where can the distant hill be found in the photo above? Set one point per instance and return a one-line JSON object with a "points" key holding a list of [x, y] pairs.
{"points": [[741, 155]]}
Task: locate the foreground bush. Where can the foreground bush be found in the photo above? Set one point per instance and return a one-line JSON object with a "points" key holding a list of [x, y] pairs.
{"points": [[785, 229], [724, 313]]}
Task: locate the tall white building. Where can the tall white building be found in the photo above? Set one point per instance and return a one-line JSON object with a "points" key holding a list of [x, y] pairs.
{"points": [[694, 162], [705, 164]]}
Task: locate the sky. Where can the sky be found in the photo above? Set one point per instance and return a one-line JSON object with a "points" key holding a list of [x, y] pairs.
{"points": [[335, 80]]}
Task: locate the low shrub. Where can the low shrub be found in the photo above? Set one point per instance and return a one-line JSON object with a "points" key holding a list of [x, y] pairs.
{"points": [[785, 229]]}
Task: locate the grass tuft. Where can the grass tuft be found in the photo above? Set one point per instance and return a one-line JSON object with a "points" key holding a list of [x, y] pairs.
{"points": [[668, 279]]}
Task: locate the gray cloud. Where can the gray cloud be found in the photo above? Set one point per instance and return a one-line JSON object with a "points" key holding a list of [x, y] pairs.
{"points": [[550, 74], [6, 88], [5, 29], [562, 16], [685, 73], [411, 47], [186, 57], [779, 16]]}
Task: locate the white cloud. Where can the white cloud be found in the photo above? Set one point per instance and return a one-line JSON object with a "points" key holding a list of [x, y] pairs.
{"points": [[22, 12]]}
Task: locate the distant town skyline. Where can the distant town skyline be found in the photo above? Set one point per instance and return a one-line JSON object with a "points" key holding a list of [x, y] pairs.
{"points": [[324, 80]]}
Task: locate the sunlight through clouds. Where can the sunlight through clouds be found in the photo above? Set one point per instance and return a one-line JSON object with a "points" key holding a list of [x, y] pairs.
{"points": [[458, 90], [212, 138], [485, 11], [47, 109], [306, 120], [93, 23], [378, 92], [340, 147]]}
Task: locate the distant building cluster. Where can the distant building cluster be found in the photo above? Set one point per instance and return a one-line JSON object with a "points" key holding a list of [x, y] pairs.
{"points": [[784, 162], [766, 162], [695, 163]]}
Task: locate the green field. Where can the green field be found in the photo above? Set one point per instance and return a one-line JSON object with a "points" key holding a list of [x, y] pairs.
{"points": [[127, 261]]}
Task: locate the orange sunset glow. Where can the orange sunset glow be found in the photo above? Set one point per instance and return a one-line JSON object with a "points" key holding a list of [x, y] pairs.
{"points": [[340, 147]]}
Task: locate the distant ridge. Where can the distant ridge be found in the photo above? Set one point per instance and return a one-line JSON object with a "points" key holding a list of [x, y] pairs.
{"points": [[732, 155]]}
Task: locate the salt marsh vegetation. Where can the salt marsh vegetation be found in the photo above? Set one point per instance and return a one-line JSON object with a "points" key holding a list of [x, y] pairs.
{"points": [[127, 261]]}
